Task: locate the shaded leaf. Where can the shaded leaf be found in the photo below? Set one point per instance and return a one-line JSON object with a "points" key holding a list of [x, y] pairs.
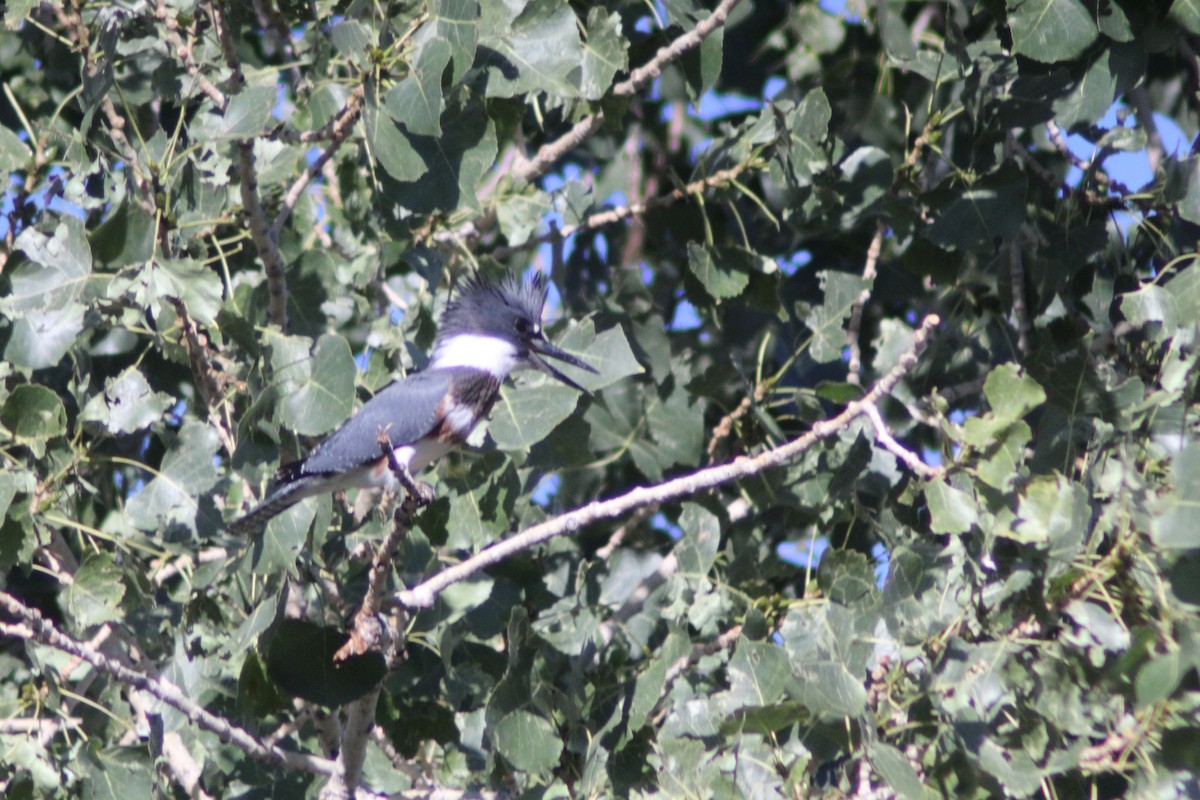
{"points": [[94, 596], [526, 741], [300, 660], [1050, 30], [127, 404]]}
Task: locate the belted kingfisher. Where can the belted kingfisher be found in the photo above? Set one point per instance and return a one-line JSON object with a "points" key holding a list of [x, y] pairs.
{"points": [[489, 330]]}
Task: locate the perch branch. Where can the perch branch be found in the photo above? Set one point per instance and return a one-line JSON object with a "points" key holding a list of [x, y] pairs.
{"points": [[854, 329], [423, 595]]}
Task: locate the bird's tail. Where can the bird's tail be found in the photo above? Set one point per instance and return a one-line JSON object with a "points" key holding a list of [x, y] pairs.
{"points": [[281, 499]]}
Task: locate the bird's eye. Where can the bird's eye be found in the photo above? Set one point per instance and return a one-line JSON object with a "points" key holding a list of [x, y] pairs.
{"points": [[523, 326]]}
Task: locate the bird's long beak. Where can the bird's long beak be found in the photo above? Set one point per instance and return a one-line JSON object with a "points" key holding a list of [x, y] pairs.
{"points": [[540, 349]]}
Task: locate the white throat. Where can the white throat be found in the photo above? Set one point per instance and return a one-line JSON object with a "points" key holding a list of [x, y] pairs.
{"points": [[476, 351]]}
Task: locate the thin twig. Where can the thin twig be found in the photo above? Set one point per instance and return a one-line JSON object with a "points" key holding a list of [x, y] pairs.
{"points": [[71, 18], [719, 179], [183, 50], [260, 233], [38, 629], [1144, 113], [723, 642], [910, 459], [1016, 269], [195, 344], [549, 154], [39, 726], [343, 124], [423, 595], [854, 329]]}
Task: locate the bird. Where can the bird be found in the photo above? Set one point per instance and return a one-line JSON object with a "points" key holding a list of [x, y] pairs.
{"points": [[489, 329]]}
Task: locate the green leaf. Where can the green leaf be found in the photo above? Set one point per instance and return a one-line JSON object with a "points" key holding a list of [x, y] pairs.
{"points": [[712, 269], [1050, 30], [842, 291], [1175, 304], [697, 550], [521, 214], [896, 770], [807, 130], [389, 145], [127, 404], [525, 415], [1186, 13], [528, 742], [300, 660], [14, 154], [246, 115], [847, 577], [94, 596], [46, 294], [197, 286], [186, 474], [991, 210], [40, 339], [116, 773], [702, 65], [866, 178], [416, 101], [604, 53], [1053, 511], [1012, 394], [317, 391], [528, 412], [951, 510], [759, 673], [455, 163], [455, 22], [34, 414], [828, 689], [353, 40], [536, 49], [1175, 526], [1159, 677], [27, 753], [649, 685], [284, 537]]}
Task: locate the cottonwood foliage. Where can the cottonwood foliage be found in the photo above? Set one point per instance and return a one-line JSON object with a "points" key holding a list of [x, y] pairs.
{"points": [[226, 224]]}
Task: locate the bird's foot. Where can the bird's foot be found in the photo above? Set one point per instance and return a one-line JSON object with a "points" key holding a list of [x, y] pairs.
{"points": [[419, 492]]}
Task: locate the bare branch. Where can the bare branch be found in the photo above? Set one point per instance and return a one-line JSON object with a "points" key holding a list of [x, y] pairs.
{"points": [[183, 50], [909, 458], [549, 154], [854, 329], [719, 179], [1016, 268], [264, 241], [1144, 113], [182, 765], [423, 595], [342, 124], [38, 629], [38, 726]]}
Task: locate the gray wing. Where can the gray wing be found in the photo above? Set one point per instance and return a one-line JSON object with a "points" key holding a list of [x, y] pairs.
{"points": [[406, 409]]}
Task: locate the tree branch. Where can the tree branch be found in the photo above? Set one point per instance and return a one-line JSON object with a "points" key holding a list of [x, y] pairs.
{"points": [[38, 629], [260, 233], [549, 154], [342, 124], [854, 328], [423, 595]]}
